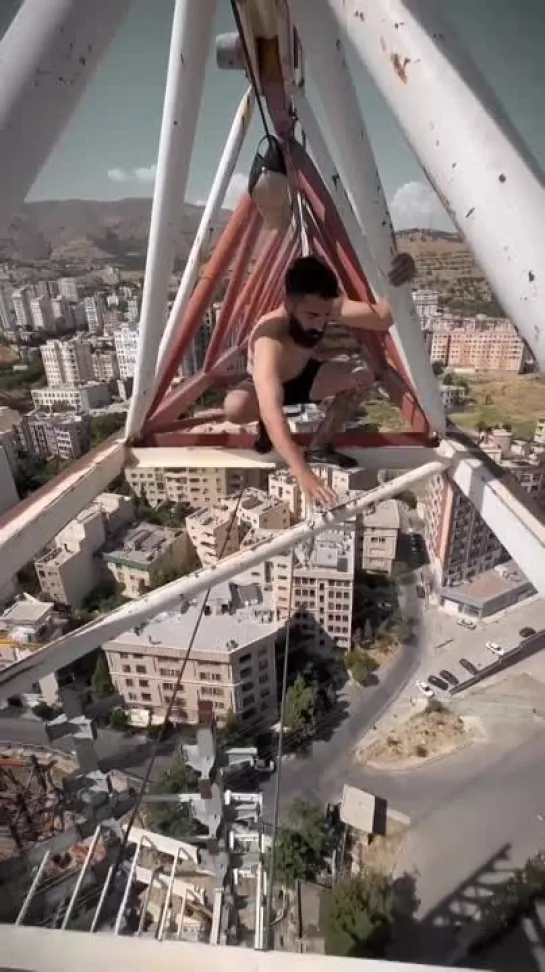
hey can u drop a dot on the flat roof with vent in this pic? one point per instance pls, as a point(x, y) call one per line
point(140, 546)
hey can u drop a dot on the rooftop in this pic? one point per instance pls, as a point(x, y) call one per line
point(488, 585)
point(257, 501)
point(385, 516)
point(141, 545)
point(331, 551)
point(56, 419)
point(27, 610)
point(212, 516)
point(235, 615)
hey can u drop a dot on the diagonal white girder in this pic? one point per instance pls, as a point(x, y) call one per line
point(22, 674)
point(29, 526)
point(48, 55)
point(489, 183)
point(513, 516)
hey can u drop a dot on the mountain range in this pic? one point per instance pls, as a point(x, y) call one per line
point(76, 229)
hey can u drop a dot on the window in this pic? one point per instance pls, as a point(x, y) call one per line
point(146, 697)
point(129, 682)
point(143, 683)
point(140, 669)
point(125, 668)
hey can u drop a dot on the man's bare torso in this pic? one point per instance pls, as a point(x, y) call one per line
point(293, 357)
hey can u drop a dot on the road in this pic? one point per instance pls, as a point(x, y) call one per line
point(322, 774)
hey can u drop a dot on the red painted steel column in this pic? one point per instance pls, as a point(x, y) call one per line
point(209, 280)
point(227, 314)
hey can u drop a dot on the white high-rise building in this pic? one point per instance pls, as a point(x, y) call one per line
point(126, 348)
point(6, 309)
point(67, 362)
point(69, 288)
point(94, 313)
point(62, 311)
point(133, 308)
point(42, 313)
point(21, 305)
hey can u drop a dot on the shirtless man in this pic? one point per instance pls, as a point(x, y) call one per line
point(285, 366)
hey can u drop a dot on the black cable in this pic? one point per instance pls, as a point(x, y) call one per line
point(171, 704)
point(250, 69)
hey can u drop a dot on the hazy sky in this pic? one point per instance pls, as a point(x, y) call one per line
point(109, 148)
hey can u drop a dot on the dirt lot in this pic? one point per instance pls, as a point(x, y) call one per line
point(381, 854)
point(421, 737)
point(497, 399)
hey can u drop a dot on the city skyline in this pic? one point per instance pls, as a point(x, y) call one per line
point(110, 154)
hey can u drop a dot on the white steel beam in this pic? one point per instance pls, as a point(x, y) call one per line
point(514, 518)
point(210, 213)
point(81, 877)
point(17, 678)
point(203, 457)
point(190, 40)
point(48, 55)
point(52, 950)
point(323, 47)
point(489, 183)
point(28, 527)
point(32, 889)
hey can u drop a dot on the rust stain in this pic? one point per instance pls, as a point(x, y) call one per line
point(502, 177)
point(360, 15)
point(400, 66)
point(383, 43)
point(531, 276)
point(470, 212)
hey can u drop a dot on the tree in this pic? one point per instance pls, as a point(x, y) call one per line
point(357, 916)
point(448, 378)
point(307, 819)
point(292, 859)
point(103, 426)
point(173, 819)
point(119, 720)
point(230, 726)
point(101, 682)
point(361, 665)
point(300, 708)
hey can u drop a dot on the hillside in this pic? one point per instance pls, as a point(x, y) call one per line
point(92, 232)
point(445, 263)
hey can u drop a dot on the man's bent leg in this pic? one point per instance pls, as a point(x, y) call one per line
point(240, 405)
point(349, 385)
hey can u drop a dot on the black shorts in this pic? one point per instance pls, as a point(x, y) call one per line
point(297, 390)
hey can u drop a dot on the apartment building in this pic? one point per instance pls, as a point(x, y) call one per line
point(65, 436)
point(69, 288)
point(21, 305)
point(283, 486)
point(126, 348)
point(137, 559)
point(232, 661)
point(67, 362)
point(25, 626)
point(214, 532)
point(459, 543)
point(426, 303)
point(94, 313)
point(70, 569)
point(79, 398)
point(42, 313)
point(477, 344)
point(322, 589)
point(158, 475)
point(105, 366)
point(217, 531)
point(377, 534)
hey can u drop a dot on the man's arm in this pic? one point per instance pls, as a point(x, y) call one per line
point(363, 316)
point(270, 397)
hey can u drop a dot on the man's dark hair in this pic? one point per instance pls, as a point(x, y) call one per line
point(310, 275)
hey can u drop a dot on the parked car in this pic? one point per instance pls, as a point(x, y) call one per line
point(425, 689)
point(469, 666)
point(495, 648)
point(438, 683)
point(527, 632)
point(449, 677)
point(467, 623)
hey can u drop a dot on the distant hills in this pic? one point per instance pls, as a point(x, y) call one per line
point(90, 232)
point(75, 234)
